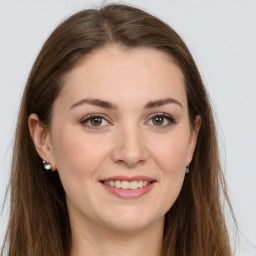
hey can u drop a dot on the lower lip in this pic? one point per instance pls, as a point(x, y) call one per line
point(129, 193)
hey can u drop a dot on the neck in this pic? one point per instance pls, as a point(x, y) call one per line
point(93, 240)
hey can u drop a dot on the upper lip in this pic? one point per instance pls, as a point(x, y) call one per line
point(126, 178)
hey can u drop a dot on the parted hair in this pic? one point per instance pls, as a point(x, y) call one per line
point(39, 222)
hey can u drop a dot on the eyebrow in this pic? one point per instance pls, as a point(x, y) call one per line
point(95, 102)
point(161, 102)
point(108, 105)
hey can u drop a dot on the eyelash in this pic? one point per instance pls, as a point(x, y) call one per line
point(86, 119)
point(167, 117)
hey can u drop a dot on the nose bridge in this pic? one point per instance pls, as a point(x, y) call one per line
point(130, 145)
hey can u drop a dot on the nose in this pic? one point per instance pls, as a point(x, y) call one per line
point(130, 147)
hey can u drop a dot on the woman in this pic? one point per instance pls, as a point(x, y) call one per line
point(115, 149)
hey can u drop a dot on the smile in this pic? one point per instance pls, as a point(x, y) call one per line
point(127, 184)
point(128, 187)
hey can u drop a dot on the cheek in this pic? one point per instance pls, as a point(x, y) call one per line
point(171, 153)
point(170, 157)
point(78, 158)
point(78, 155)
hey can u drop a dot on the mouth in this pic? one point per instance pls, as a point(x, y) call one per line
point(128, 187)
point(136, 184)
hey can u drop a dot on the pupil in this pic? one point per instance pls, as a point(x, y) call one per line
point(96, 121)
point(158, 120)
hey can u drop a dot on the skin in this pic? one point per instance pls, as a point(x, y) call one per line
point(129, 141)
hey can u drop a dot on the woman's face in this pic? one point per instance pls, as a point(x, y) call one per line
point(120, 137)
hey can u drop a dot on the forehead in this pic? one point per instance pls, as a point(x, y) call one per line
point(118, 74)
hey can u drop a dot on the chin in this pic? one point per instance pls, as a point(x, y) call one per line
point(130, 222)
point(127, 227)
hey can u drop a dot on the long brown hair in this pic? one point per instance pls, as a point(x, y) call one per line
point(39, 222)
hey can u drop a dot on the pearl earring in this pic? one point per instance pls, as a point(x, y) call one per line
point(47, 165)
point(187, 170)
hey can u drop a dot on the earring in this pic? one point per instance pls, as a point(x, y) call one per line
point(47, 165)
point(187, 170)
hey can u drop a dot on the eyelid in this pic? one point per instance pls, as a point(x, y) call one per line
point(169, 117)
point(88, 117)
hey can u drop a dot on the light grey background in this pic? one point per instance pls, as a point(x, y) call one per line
point(222, 37)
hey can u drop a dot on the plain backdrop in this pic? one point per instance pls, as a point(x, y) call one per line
point(221, 35)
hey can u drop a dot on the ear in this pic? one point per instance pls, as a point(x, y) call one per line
point(42, 139)
point(193, 138)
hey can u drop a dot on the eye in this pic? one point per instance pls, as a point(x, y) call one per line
point(161, 120)
point(94, 121)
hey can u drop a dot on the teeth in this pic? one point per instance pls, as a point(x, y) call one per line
point(133, 185)
point(126, 184)
point(118, 184)
point(140, 183)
